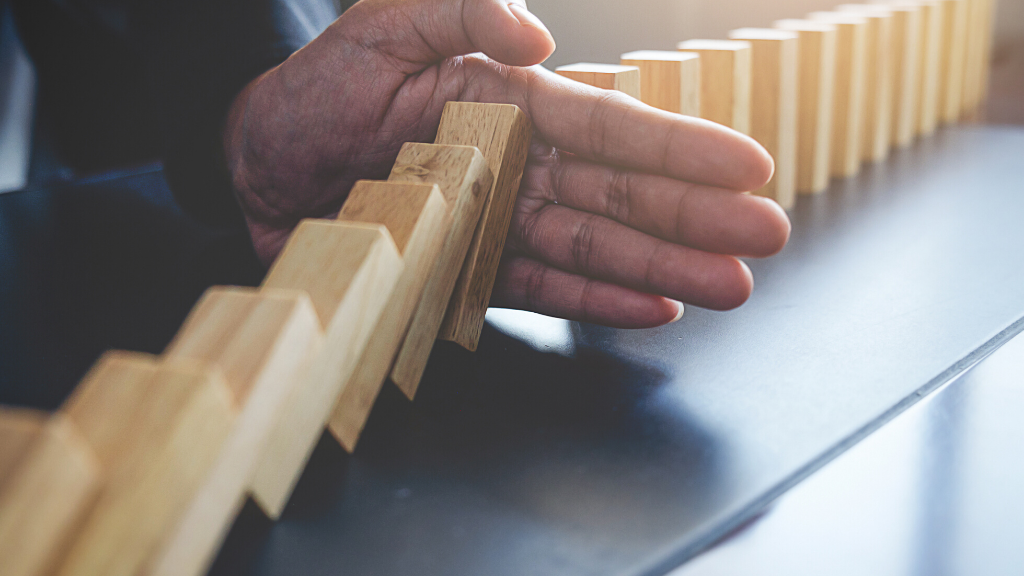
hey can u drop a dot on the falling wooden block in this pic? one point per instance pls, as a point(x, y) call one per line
point(502, 133)
point(625, 79)
point(44, 498)
point(349, 271)
point(724, 81)
point(669, 81)
point(814, 117)
point(954, 51)
point(262, 342)
point(848, 94)
point(156, 429)
point(419, 220)
point(463, 176)
point(877, 117)
point(773, 113)
point(930, 55)
point(906, 70)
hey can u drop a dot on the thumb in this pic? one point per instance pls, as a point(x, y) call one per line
point(427, 31)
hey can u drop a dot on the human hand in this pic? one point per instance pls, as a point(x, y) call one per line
point(623, 211)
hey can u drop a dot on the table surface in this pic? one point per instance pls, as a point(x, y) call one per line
point(561, 447)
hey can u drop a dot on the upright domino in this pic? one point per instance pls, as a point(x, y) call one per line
point(773, 112)
point(848, 93)
point(906, 71)
point(814, 120)
point(669, 81)
point(875, 127)
point(931, 58)
point(954, 51)
point(502, 133)
point(725, 81)
point(625, 79)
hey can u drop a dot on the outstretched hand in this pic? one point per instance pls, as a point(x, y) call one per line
point(624, 211)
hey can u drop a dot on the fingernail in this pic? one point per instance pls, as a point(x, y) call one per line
point(679, 314)
point(526, 18)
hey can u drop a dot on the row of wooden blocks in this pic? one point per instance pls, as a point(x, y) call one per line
point(825, 93)
point(145, 466)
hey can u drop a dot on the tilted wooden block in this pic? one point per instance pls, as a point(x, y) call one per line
point(18, 428)
point(463, 176)
point(502, 133)
point(669, 81)
point(724, 81)
point(954, 51)
point(349, 271)
point(54, 480)
point(262, 342)
point(419, 220)
point(930, 55)
point(848, 94)
point(814, 116)
point(625, 79)
point(906, 71)
point(773, 112)
point(156, 428)
point(875, 126)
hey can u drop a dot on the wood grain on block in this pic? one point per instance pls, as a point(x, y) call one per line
point(419, 220)
point(349, 271)
point(814, 116)
point(930, 55)
point(877, 118)
point(464, 178)
point(724, 81)
point(669, 81)
point(502, 133)
point(173, 419)
point(906, 71)
point(848, 94)
point(625, 79)
point(262, 342)
point(954, 51)
point(18, 427)
point(43, 501)
point(773, 112)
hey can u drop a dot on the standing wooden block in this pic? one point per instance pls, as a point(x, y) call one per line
point(848, 95)
point(419, 220)
point(669, 81)
point(44, 499)
point(773, 113)
point(349, 271)
point(502, 133)
point(18, 428)
point(814, 117)
point(877, 120)
point(954, 51)
point(931, 58)
point(979, 45)
point(625, 79)
point(156, 429)
point(262, 342)
point(906, 71)
point(463, 176)
point(724, 81)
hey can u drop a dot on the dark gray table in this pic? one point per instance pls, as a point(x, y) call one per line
point(561, 448)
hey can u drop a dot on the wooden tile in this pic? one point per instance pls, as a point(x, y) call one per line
point(906, 71)
point(773, 113)
point(463, 176)
point(419, 219)
point(669, 81)
point(724, 81)
point(625, 79)
point(814, 116)
point(930, 54)
point(18, 428)
point(954, 52)
point(875, 127)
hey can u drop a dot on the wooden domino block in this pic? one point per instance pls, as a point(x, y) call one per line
point(419, 220)
point(669, 81)
point(930, 55)
point(906, 70)
point(848, 94)
point(51, 483)
point(463, 176)
point(502, 133)
point(725, 81)
point(951, 67)
point(349, 271)
point(625, 79)
point(773, 113)
point(262, 342)
point(814, 118)
point(875, 127)
point(977, 61)
point(156, 429)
